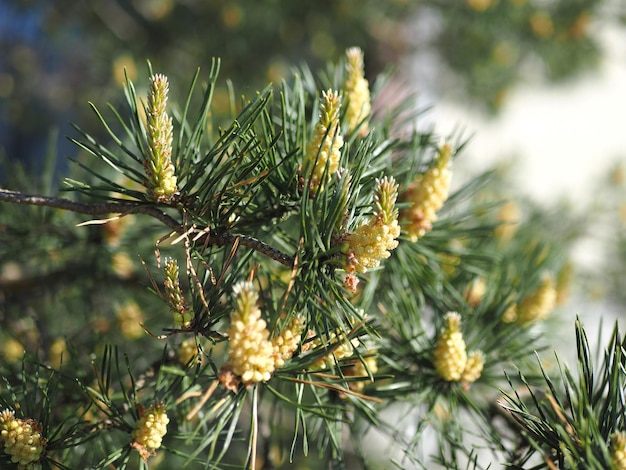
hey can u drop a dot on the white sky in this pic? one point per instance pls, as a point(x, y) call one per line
point(564, 136)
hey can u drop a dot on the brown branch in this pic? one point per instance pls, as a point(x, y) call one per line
point(130, 207)
point(254, 244)
point(90, 209)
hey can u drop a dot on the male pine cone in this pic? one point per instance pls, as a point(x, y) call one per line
point(357, 92)
point(250, 352)
point(373, 241)
point(450, 358)
point(324, 150)
point(427, 195)
point(150, 429)
point(161, 180)
point(22, 440)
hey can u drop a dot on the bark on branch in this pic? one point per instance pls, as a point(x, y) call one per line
point(125, 208)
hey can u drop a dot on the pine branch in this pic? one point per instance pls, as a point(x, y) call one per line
point(90, 209)
point(217, 239)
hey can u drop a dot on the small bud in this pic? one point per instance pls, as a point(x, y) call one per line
point(351, 281)
point(480, 5)
point(538, 305)
point(174, 295)
point(449, 263)
point(58, 353)
point(618, 448)
point(324, 151)
point(22, 440)
point(150, 429)
point(114, 229)
point(187, 350)
point(579, 28)
point(356, 89)
point(338, 348)
point(475, 291)
point(228, 378)
point(122, 265)
point(12, 351)
point(129, 318)
point(510, 315)
point(250, 353)
point(427, 193)
point(450, 356)
point(541, 24)
point(563, 283)
point(385, 200)
point(286, 342)
point(508, 217)
point(373, 240)
point(361, 368)
point(473, 367)
point(158, 165)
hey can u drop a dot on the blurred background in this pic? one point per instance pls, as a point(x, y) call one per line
point(538, 86)
point(476, 61)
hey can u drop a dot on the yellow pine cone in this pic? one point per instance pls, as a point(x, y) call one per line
point(538, 305)
point(129, 318)
point(250, 353)
point(186, 351)
point(122, 265)
point(373, 240)
point(450, 356)
point(358, 369)
point(579, 27)
point(22, 440)
point(563, 283)
point(286, 342)
point(12, 351)
point(370, 243)
point(339, 348)
point(541, 24)
point(356, 89)
point(324, 150)
point(175, 298)
point(58, 353)
point(510, 315)
point(473, 367)
point(618, 447)
point(158, 165)
point(428, 193)
point(449, 263)
point(508, 216)
point(475, 291)
point(150, 429)
point(480, 5)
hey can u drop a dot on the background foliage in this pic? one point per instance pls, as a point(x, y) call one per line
point(489, 47)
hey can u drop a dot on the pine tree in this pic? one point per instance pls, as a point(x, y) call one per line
point(325, 275)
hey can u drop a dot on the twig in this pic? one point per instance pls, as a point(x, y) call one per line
point(90, 209)
point(256, 245)
point(205, 398)
point(255, 427)
point(217, 239)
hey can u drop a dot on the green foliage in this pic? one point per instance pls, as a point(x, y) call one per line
point(246, 210)
point(489, 45)
point(570, 422)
